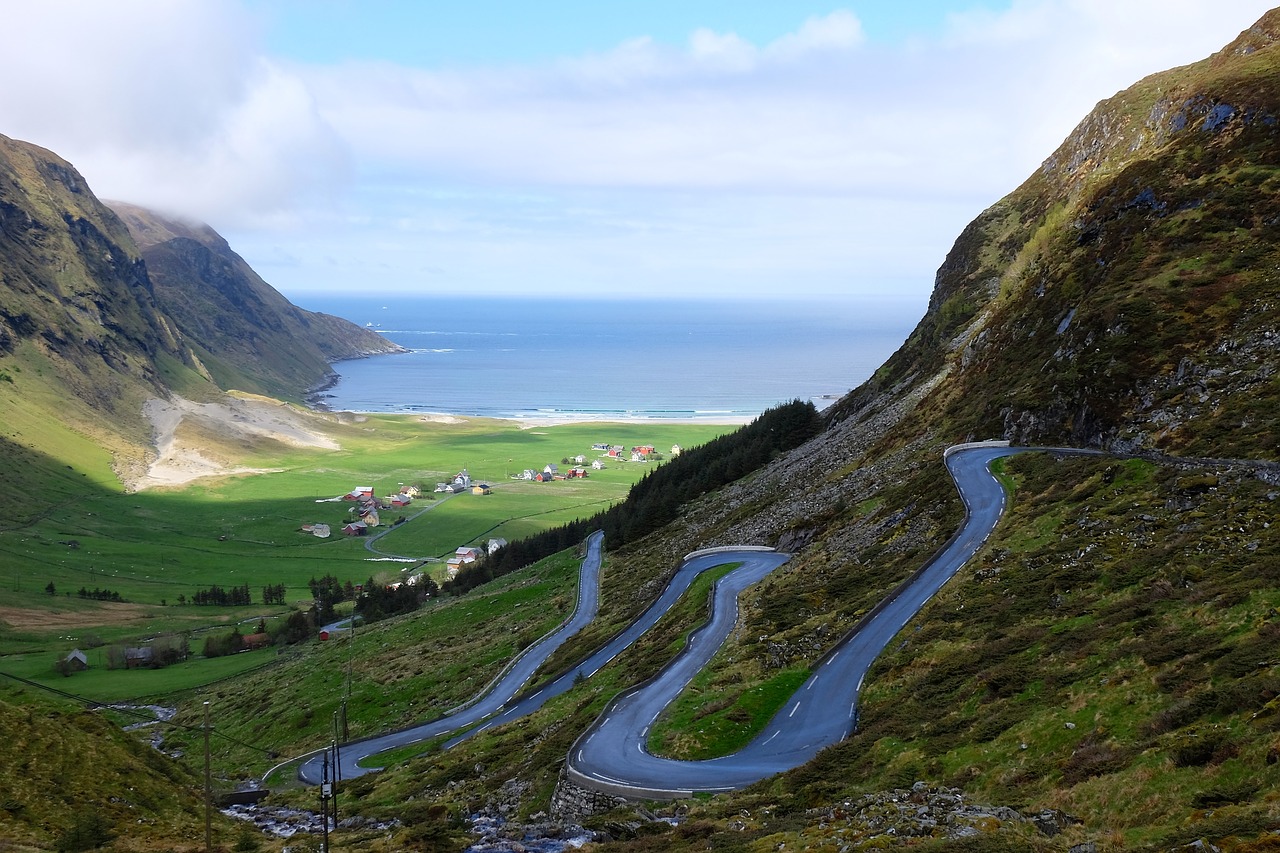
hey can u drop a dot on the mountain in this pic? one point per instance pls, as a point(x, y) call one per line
point(102, 311)
point(1124, 295)
point(1109, 658)
point(245, 334)
point(1107, 663)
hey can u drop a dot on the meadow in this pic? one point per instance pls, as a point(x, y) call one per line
point(156, 548)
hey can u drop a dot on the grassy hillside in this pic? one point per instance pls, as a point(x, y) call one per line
point(54, 794)
point(1108, 654)
point(1124, 295)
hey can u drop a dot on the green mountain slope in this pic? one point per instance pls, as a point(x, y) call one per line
point(245, 334)
point(1125, 295)
point(92, 326)
point(1111, 653)
point(72, 780)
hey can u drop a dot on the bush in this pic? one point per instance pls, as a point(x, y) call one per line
point(88, 832)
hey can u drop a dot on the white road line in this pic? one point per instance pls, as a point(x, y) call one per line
point(793, 711)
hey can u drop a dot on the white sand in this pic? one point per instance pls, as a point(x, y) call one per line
point(237, 418)
point(178, 462)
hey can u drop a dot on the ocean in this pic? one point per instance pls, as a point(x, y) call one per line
point(715, 361)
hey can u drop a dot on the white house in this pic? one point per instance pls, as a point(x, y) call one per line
point(495, 544)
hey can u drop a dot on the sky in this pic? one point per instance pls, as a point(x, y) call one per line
point(658, 149)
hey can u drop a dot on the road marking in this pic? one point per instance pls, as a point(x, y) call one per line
point(793, 710)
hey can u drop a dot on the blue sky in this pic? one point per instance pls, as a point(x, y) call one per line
point(450, 34)
point(633, 149)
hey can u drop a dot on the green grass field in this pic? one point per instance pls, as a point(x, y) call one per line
point(156, 548)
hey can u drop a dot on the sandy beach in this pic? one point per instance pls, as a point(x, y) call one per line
point(180, 458)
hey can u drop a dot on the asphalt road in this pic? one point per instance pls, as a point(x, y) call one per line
point(504, 688)
point(611, 755)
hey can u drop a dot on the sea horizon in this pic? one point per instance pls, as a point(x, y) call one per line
point(558, 360)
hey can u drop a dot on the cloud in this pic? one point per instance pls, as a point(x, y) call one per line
point(704, 163)
point(167, 104)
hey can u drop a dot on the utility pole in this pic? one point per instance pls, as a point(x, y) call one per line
point(337, 769)
point(208, 786)
point(326, 788)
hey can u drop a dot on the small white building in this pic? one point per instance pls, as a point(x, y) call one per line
point(495, 544)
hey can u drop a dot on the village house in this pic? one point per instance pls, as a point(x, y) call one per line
point(76, 661)
point(141, 656)
point(675, 450)
point(481, 489)
point(527, 474)
point(597, 465)
point(495, 544)
point(461, 556)
point(356, 528)
point(359, 493)
point(255, 641)
point(400, 500)
point(552, 469)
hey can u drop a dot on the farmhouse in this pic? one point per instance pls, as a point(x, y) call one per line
point(359, 493)
point(77, 661)
point(400, 500)
point(138, 657)
point(356, 528)
point(256, 641)
point(495, 544)
point(481, 489)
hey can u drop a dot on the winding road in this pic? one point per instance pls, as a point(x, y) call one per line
point(611, 755)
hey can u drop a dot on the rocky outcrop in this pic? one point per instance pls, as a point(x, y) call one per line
point(574, 801)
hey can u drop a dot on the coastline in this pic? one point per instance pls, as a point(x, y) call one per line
point(549, 420)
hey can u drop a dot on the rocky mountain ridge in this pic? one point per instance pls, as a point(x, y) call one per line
point(104, 307)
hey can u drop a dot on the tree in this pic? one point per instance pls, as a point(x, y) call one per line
point(51, 589)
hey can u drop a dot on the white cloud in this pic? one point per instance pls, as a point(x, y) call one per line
point(702, 164)
point(167, 104)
